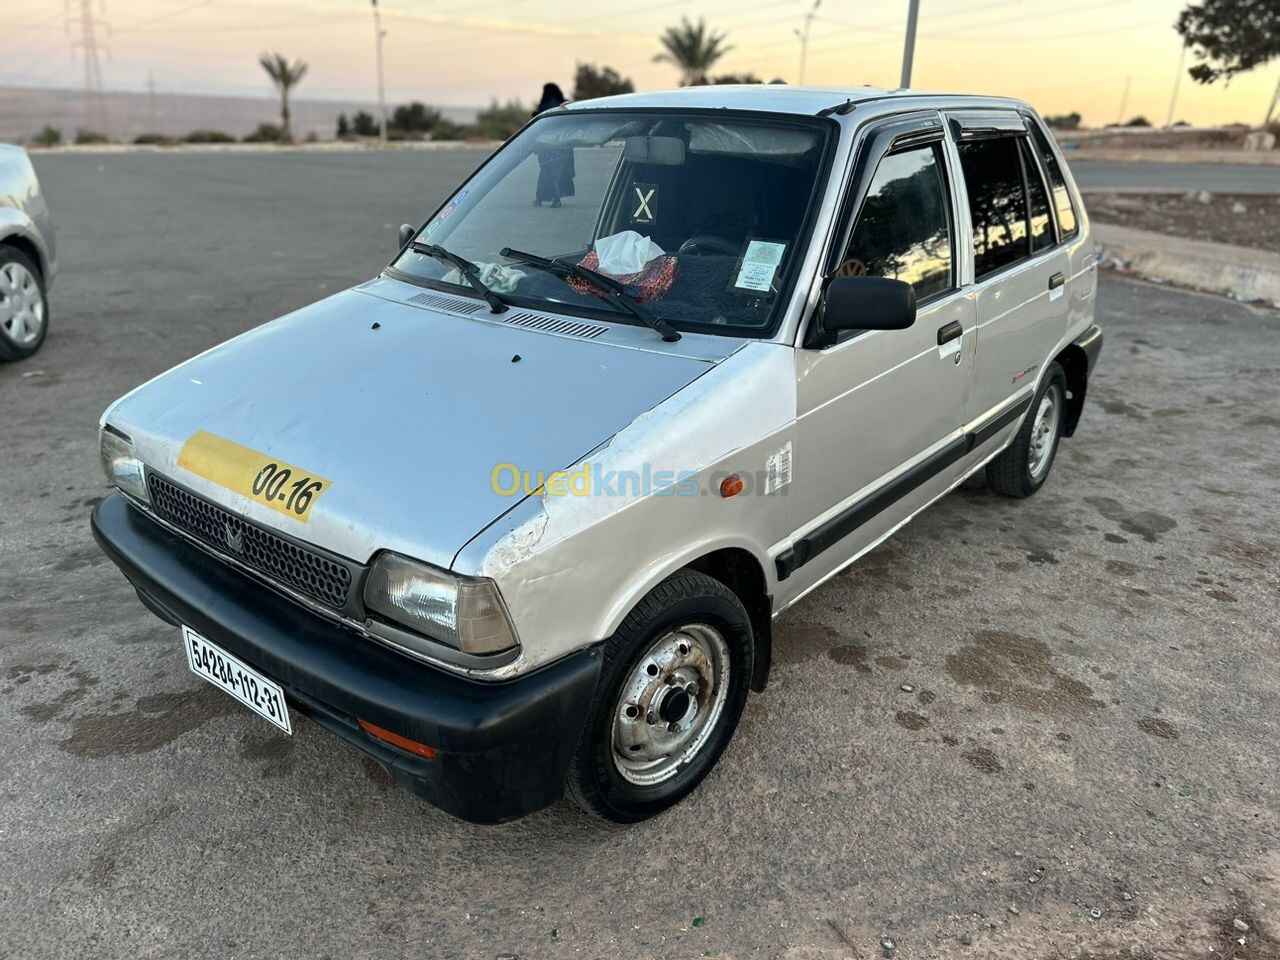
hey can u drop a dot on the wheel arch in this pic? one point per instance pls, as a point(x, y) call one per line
point(735, 564)
point(29, 247)
point(742, 572)
point(1075, 365)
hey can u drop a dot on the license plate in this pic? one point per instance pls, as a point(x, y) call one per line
point(264, 697)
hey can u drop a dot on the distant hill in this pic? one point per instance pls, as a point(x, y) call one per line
point(24, 110)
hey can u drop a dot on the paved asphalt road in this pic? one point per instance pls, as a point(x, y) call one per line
point(1175, 177)
point(1091, 724)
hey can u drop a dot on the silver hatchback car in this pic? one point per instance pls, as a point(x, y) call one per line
point(515, 516)
point(27, 261)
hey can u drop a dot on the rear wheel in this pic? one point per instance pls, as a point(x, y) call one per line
point(23, 307)
point(673, 685)
point(1024, 465)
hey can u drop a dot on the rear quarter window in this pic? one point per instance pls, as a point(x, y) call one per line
point(1057, 183)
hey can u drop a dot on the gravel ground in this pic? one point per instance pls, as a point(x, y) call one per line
point(1010, 716)
point(1245, 220)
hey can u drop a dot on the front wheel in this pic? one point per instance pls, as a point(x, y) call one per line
point(23, 306)
point(673, 685)
point(1024, 465)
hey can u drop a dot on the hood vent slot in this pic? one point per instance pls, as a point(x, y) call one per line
point(566, 328)
point(442, 301)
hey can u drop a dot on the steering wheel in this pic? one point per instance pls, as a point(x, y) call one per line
point(704, 243)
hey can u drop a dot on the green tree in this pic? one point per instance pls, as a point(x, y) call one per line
point(693, 49)
point(1064, 121)
point(344, 127)
point(264, 133)
point(747, 77)
point(500, 120)
point(284, 76)
point(414, 118)
point(48, 137)
point(1230, 36)
point(363, 124)
point(590, 81)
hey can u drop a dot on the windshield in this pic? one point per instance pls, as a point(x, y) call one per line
point(700, 216)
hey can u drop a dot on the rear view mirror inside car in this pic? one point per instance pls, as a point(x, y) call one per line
point(660, 151)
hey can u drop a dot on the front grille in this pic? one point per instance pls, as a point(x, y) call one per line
point(325, 579)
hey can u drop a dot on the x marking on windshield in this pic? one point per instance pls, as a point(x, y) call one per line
point(643, 212)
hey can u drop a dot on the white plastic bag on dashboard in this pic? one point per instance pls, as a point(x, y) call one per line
point(625, 253)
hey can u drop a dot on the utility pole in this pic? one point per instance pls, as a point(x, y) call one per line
point(1275, 100)
point(1124, 100)
point(382, 99)
point(909, 44)
point(804, 36)
point(87, 40)
point(1177, 80)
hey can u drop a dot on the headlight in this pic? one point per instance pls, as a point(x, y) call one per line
point(120, 465)
point(466, 613)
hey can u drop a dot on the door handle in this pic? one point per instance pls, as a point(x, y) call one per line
point(950, 332)
point(1056, 281)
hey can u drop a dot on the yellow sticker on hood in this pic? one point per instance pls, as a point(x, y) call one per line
point(268, 480)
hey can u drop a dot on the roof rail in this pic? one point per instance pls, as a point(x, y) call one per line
point(839, 109)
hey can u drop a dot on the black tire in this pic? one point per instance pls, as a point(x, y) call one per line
point(594, 781)
point(10, 349)
point(1010, 474)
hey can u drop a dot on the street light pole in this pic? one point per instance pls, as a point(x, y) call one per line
point(804, 37)
point(382, 99)
point(909, 45)
point(1177, 81)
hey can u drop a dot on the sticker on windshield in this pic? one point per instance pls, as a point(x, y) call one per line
point(643, 203)
point(759, 264)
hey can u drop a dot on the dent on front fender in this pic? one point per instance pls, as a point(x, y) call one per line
point(570, 566)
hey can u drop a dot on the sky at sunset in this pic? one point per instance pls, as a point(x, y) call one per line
point(1060, 56)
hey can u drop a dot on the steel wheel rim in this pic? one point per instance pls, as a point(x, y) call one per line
point(21, 305)
point(1044, 432)
point(670, 704)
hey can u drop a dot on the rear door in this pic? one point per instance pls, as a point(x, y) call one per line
point(1019, 271)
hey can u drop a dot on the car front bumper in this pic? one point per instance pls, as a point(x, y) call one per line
point(503, 748)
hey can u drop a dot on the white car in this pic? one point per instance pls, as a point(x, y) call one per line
point(27, 261)
point(516, 515)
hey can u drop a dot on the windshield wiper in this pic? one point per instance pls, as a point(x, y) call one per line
point(470, 272)
point(616, 291)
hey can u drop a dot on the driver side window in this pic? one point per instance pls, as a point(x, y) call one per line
point(904, 227)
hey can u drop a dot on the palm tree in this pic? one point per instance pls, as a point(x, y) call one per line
point(693, 49)
point(285, 76)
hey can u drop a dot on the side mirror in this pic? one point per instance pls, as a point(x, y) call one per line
point(407, 231)
point(862, 303)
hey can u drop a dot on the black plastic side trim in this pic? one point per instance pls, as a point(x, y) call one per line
point(1091, 343)
point(855, 515)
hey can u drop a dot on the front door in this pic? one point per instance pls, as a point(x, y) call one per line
point(876, 410)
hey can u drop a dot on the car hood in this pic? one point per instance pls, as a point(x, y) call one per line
point(405, 411)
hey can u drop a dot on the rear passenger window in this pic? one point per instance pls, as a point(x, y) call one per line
point(997, 203)
point(1037, 200)
point(1061, 198)
point(904, 229)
